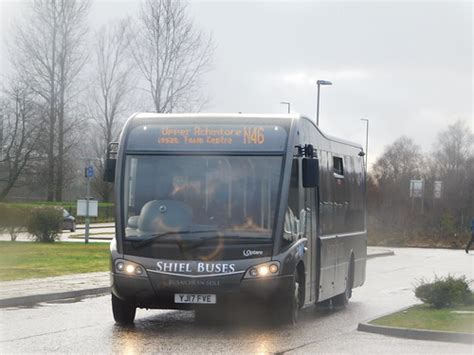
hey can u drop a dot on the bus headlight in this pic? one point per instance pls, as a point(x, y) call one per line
point(129, 268)
point(271, 268)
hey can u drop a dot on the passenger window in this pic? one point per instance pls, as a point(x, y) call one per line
point(293, 194)
point(338, 166)
point(291, 215)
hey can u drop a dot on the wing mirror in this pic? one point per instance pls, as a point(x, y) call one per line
point(310, 172)
point(110, 162)
point(109, 171)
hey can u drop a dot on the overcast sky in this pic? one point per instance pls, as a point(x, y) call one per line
point(405, 66)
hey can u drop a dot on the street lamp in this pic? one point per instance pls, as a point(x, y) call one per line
point(366, 143)
point(287, 104)
point(319, 83)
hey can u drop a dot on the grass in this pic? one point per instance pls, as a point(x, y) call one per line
point(20, 261)
point(425, 317)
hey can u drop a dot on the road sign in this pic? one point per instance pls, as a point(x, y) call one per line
point(89, 171)
point(82, 208)
point(416, 188)
point(437, 189)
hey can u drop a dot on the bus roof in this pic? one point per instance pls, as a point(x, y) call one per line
point(216, 115)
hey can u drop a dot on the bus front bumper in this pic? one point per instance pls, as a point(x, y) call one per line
point(157, 291)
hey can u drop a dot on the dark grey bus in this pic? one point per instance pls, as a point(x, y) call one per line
point(213, 209)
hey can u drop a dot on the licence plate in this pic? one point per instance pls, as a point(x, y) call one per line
point(194, 298)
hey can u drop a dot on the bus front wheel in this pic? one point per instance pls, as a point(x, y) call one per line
point(124, 312)
point(290, 304)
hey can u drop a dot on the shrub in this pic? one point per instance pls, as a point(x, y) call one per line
point(45, 224)
point(444, 292)
point(12, 220)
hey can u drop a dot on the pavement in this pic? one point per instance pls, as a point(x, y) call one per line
point(31, 291)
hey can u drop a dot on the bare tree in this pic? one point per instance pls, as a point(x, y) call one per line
point(452, 163)
point(388, 194)
point(110, 97)
point(444, 218)
point(21, 131)
point(113, 70)
point(172, 55)
point(400, 162)
point(453, 148)
point(48, 50)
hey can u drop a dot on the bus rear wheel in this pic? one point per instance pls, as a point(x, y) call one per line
point(124, 312)
point(341, 301)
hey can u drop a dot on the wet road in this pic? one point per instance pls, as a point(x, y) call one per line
point(87, 325)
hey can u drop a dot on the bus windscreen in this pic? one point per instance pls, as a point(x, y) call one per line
point(234, 195)
point(207, 137)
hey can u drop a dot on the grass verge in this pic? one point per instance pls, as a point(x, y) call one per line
point(20, 261)
point(425, 317)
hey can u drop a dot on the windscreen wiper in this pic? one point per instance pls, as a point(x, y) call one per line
point(150, 239)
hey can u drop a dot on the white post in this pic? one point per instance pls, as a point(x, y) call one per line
point(86, 236)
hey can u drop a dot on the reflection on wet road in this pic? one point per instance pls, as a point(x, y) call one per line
point(87, 326)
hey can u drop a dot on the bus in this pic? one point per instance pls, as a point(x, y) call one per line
point(213, 209)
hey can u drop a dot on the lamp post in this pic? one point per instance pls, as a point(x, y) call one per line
point(366, 143)
point(319, 83)
point(287, 104)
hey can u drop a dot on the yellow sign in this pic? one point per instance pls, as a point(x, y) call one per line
point(214, 136)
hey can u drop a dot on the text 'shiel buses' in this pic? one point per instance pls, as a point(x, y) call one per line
point(208, 137)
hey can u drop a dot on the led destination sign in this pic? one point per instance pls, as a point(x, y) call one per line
point(207, 137)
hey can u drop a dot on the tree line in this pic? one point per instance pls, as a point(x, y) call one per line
point(70, 88)
point(442, 211)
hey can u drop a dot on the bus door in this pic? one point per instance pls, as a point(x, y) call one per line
point(310, 233)
point(301, 200)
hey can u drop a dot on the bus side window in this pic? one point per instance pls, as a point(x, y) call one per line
point(291, 218)
point(293, 194)
point(338, 166)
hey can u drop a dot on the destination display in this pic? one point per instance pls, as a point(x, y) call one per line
point(207, 137)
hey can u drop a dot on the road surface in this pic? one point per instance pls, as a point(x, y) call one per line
point(86, 326)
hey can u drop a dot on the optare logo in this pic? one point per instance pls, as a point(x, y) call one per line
point(250, 252)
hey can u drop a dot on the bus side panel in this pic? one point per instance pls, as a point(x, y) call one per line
point(360, 265)
point(327, 247)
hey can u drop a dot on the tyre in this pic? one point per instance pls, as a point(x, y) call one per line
point(290, 304)
point(73, 227)
point(341, 301)
point(124, 312)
